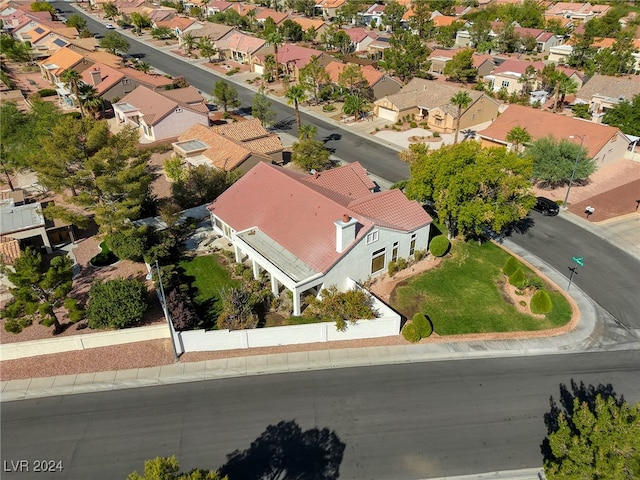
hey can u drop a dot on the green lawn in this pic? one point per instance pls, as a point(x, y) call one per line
point(463, 295)
point(207, 275)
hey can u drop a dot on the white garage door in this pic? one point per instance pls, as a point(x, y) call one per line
point(259, 69)
point(387, 114)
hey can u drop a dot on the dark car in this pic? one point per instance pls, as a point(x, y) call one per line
point(546, 206)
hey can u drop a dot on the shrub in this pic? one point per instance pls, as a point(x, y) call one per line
point(410, 333)
point(128, 244)
point(392, 268)
point(47, 92)
point(11, 325)
point(517, 278)
point(419, 254)
point(328, 108)
point(413, 124)
point(401, 263)
point(436, 134)
point(104, 258)
point(181, 310)
point(535, 282)
point(118, 303)
point(423, 325)
point(510, 266)
point(541, 303)
point(439, 246)
point(75, 311)
point(342, 307)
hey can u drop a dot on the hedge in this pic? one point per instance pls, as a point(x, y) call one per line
point(517, 278)
point(410, 333)
point(541, 303)
point(510, 266)
point(118, 303)
point(439, 246)
point(422, 324)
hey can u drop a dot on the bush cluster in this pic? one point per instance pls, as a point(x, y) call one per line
point(439, 245)
point(517, 278)
point(541, 303)
point(118, 303)
point(423, 325)
point(130, 244)
point(410, 333)
point(510, 266)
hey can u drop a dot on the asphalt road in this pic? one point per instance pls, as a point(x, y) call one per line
point(377, 159)
point(397, 422)
point(610, 276)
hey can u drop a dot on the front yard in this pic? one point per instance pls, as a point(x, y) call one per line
point(465, 295)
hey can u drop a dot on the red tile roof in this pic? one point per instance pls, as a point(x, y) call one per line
point(108, 76)
point(298, 211)
point(541, 124)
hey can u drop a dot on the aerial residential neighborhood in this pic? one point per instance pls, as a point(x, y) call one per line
point(316, 220)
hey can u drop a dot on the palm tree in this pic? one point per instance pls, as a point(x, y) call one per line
point(143, 67)
point(206, 47)
point(518, 136)
point(275, 39)
point(89, 98)
point(307, 132)
point(355, 105)
point(461, 100)
point(295, 95)
point(73, 79)
point(564, 85)
point(188, 42)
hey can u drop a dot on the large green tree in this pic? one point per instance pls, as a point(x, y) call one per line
point(553, 161)
point(202, 184)
point(38, 290)
point(355, 105)
point(226, 95)
point(626, 116)
point(460, 68)
point(118, 303)
point(310, 155)
point(168, 468)
point(15, 136)
point(352, 79)
point(114, 42)
point(406, 56)
point(314, 76)
point(472, 188)
point(593, 435)
point(261, 109)
point(518, 136)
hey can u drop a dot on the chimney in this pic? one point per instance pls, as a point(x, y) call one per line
point(96, 77)
point(345, 232)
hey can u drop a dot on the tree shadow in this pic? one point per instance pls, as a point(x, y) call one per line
point(334, 137)
point(585, 394)
point(521, 226)
point(285, 452)
point(286, 124)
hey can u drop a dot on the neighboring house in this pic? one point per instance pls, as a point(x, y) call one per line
point(329, 8)
point(264, 13)
point(215, 31)
point(113, 84)
point(372, 16)
point(440, 20)
point(544, 40)
point(378, 47)
point(26, 224)
point(603, 92)
point(241, 47)
point(313, 231)
point(293, 57)
point(202, 145)
point(217, 7)
point(428, 100)
point(178, 25)
point(508, 76)
point(560, 54)
point(161, 115)
point(577, 11)
point(319, 26)
point(604, 144)
point(360, 38)
point(380, 84)
point(64, 59)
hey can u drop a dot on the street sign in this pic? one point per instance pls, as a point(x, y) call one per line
point(579, 260)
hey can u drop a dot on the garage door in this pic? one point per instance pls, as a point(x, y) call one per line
point(259, 69)
point(387, 114)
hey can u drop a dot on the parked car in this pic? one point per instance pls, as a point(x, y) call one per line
point(546, 206)
point(110, 26)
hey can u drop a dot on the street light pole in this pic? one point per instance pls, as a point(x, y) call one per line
point(573, 172)
point(163, 302)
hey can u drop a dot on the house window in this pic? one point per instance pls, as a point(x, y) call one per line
point(377, 261)
point(146, 130)
point(227, 231)
point(217, 223)
point(372, 237)
point(505, 83)
point(126, 81)
point(394, 252)
point(412, 246)
point(438, 121)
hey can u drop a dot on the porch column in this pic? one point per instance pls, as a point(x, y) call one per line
point(275, 285)
point(296, 302)
point(236, 251)
point(256, 269)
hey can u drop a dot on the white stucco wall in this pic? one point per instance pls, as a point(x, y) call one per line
point(357, 263)
point(614, 150)
point(176, 124)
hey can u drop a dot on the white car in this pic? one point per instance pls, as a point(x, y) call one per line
point(110, 26)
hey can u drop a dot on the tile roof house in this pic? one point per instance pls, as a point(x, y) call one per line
point(604, 144)
point(329, 8)
point(215, 31)
point(217, 6)
point(309, 232)
point(372, 16)
point(544, 40)
point(428, 100)
point(241, 47)
point(439, 58)
point(318, 25)
point(292, 57)
point(161, 115)
point(112, 83)
point(577, 11)
point(360, 37)
point(65, 58)
point(178, 25)
point(603, 92)
point(509, 73)
point(380, 84)
point(238, 145)
point(264, 13)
